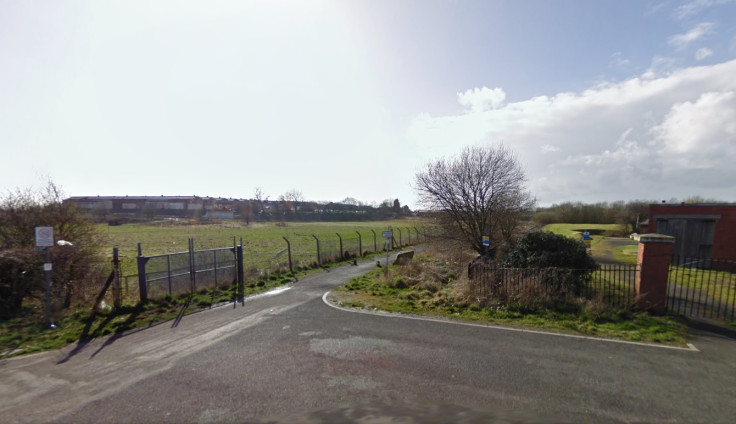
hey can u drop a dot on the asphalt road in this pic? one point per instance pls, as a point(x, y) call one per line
point(289, 357)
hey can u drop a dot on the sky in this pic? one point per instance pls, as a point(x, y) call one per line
point(599, 100)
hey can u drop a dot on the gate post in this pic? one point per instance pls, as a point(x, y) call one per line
point(142, 284)
point(319, 261)
point(360, 245)
point(117, 296)
point(342, 254)
point(655, 253)
point(288, 247)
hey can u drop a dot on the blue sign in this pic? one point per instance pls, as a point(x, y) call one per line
point(486, 241)
point(586, 235)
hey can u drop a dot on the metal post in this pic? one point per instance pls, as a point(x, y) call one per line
point(387, 249)
point(360, 245)
point(214, 261)
point(288, 247)
point(409, 231)
point(240, 272)
point(168, 272)
point(342, 256)
point(142, 285)
point(319, 261)
point(116, 291)
point(47, 284)
point(192, 275)
point(400, 244)
point(375, 245)
point(415, 229)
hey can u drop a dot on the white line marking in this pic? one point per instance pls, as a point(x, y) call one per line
point(690, 347)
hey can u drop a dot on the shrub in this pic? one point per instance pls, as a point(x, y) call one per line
point(20, 276)
point(541, 249)
point(568, 265)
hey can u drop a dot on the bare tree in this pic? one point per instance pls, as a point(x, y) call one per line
point(479, 193)
point(260, 198)
point(293, 198)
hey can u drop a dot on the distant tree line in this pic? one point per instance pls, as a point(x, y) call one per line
point(627, 214)
point(291, 206)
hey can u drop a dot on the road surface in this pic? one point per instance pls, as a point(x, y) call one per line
point(290, 357)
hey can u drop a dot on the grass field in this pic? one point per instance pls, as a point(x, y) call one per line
point(264, 246)
point(600, 235)
point(597, 231)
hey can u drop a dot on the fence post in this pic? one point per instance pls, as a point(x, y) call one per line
point(168, 272)
point(399, 230)
point(375, 245)
point(288, 247)
point(417, 231)
point(241, 273)
point(319, 261)
point(117, 297)
point(408, 230)
point(654, 256)
point(342, 255)
point(360, 245)
point(142, 286)
point(192, 266)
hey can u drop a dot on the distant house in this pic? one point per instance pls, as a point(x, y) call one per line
point(220, 208)
point(700, 230)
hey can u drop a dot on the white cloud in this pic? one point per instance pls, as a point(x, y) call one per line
point(696, 6)
point(548, 148)
point(481, 99)
point(618, 59)
point(646, 137)
point(703, 53)
point(699, 31)
point(695, 128)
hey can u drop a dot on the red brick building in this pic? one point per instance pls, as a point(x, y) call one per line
point(700, 230)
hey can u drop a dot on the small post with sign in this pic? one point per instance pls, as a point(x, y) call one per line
point(388, 235)
point(587, 241)
point(44, 240)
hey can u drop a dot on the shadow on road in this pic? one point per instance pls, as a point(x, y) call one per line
point(706, 328)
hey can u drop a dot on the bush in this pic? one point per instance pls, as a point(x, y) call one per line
point(20, 265)
point(541, 249)
point(547, 250)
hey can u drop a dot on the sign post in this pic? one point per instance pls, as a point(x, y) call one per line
point(388, 235)
point(44, 240)
point(587, 241)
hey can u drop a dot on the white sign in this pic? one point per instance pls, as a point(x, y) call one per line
point(44, 236)
point(47, 267)
point(387, 234)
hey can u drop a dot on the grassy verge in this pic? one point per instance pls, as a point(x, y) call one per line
point(429, 288)
point(28, 334)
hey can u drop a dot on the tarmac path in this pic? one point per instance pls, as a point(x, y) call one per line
point(287, 356)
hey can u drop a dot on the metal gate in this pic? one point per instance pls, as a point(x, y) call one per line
point(702, 287)
point(187, 272)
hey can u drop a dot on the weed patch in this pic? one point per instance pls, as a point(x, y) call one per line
point(429, 287)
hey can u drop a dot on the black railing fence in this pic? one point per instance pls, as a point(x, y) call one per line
point(702, 287)
point(612, 284)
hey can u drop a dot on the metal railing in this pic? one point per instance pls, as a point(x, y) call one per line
point(702, 287)
point(613, 284)
point(190, 271)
